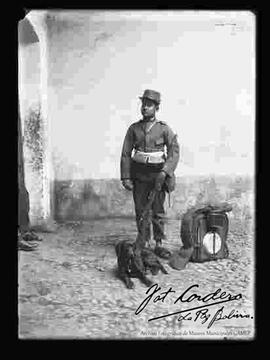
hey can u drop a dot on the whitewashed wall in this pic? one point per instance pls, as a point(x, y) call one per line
point(99, 63)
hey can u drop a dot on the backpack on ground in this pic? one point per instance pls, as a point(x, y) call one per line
point(206, 229)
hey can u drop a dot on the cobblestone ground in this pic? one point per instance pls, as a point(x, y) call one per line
point(68, 287)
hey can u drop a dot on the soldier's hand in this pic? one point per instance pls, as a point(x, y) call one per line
point(160, 180)
point(127, 184)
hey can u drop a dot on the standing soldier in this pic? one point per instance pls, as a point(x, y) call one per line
point(149, 157)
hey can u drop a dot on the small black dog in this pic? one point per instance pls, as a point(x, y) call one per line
point(134, 261)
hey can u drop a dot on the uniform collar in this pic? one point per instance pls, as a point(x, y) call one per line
point(154, 120)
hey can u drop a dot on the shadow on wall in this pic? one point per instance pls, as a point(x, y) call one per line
point(26, 33)
point(91, 199)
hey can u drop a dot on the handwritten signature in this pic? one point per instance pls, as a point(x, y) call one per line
point(202, 313)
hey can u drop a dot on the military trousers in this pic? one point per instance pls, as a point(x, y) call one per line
point(141, 190)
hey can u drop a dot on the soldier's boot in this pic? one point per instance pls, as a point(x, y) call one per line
point(161, 251)
point(26, 246)
point(30, 236)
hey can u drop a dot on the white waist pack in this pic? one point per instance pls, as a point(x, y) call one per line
point(156, 157)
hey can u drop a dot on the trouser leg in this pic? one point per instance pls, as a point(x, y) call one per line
point(141, 191)
point(158, 215)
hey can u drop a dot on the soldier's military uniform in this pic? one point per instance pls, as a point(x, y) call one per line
point(148, 150)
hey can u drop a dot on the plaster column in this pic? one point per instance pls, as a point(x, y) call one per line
point(38, 20)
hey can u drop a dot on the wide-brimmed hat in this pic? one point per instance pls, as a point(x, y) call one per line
point(151, 95)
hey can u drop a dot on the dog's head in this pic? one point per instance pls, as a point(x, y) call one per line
point(129, 256)
point(124, 250)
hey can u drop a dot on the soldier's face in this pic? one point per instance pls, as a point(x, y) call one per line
point(148, 108)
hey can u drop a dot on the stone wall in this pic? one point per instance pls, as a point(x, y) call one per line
point(88, 199)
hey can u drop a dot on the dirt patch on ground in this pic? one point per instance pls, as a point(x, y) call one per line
point(68, 287)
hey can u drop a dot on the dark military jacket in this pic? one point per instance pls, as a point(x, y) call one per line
point(159, 138)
